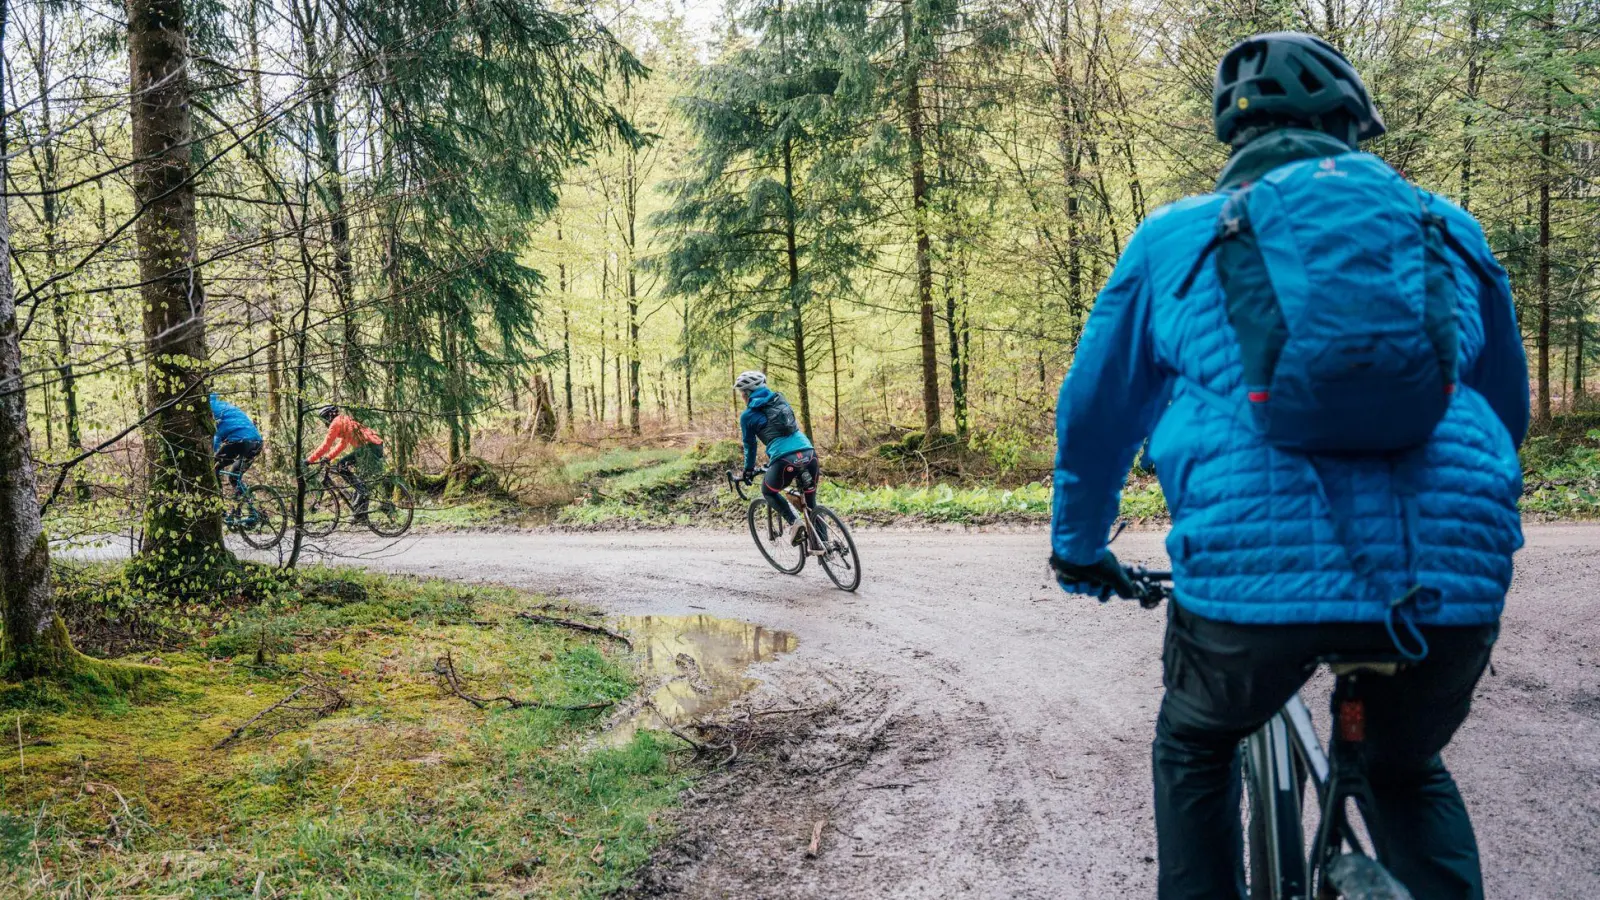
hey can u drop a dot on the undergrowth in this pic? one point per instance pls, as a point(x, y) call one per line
point(384, 785)
point(1562, 476)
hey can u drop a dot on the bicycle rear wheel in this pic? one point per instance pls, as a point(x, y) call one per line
point(770, 533)
point(390, 507)
point(265, 517)
point(322, 511)
point(839, 558)
point(1359, 877)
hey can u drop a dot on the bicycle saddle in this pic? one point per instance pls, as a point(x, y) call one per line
point(1369, 663)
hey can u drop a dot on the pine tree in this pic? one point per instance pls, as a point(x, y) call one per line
point(773, 214)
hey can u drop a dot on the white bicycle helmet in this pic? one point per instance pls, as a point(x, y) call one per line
point(749, 381)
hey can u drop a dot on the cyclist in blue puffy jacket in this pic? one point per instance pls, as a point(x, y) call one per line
point(769, 419)
point(1278, 556)
point(236, 443)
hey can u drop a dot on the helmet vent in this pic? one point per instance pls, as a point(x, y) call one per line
point(1309, 82)
point(1270, 87)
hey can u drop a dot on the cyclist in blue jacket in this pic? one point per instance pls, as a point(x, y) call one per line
point(1280, 557)
point(236, 443)
point(769, 419)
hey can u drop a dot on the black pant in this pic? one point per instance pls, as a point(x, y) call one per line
point(1224, 681)
point(234, 459)
point(802, 466)
point(354, 468)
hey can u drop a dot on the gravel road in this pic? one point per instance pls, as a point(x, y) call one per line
point(1000, 730)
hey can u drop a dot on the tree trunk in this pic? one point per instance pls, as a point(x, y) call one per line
point(183, 520)
point(325, 127)
point(1474, 75)
point(544, 409)
point(36, 641)
point(605, 281)
point(688, 368)
point(833, 350)
point(630, 208)
point(48, 167)
point(954, 300)
point(1542, 412)
point(566, 325)
point(919, 218)
point(1577, 372)
point(796, 302)
point(277, 428)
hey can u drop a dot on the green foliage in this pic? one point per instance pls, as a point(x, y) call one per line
point(1562, 476)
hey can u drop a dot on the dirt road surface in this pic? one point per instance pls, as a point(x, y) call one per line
point(989, 736)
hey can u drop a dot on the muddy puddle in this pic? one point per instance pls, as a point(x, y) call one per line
point(698, 663)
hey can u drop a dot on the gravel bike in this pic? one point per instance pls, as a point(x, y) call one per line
point(390, 502)
point(771, 534)
point(1279, 758)
point(256, 512)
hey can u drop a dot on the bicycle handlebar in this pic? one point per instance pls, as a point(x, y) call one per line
point(736, 484)
point(1154, 586)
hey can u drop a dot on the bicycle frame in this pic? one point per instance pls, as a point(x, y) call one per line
point(1279, 757)
point(797, 500)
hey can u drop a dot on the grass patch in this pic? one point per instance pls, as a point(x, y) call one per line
point(616, 462)
point(401, 791)
point(1561, 475)
point(650, 499)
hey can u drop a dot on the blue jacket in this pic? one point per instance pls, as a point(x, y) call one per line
point(233, 424)
point(754, 418)
point(1256, 534)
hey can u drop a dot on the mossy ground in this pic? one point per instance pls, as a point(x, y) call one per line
point(405, 791)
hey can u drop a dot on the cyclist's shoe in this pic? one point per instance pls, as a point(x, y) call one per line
point(797, 533)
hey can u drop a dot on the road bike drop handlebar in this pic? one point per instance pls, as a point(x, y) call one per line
point(737, 482)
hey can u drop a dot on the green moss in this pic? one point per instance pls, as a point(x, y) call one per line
point(406, 791)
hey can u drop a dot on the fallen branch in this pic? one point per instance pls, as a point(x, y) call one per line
point(576, 626)
point(445, 668)
point(816, 839)
point(332, 701)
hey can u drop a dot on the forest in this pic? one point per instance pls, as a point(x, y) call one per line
point(528, 222)
point(531, 242)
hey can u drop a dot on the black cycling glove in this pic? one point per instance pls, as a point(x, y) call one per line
point(1101, 578)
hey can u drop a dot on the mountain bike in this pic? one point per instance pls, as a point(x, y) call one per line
point(256, 512)
point(770, 532)
point(390, 502)
point(1277, 761)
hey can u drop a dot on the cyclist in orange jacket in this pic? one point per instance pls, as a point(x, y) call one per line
point(352, 448)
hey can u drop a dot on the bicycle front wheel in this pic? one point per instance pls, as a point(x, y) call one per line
point(839, 558)
point(322, 512)
point(390, 507)
point(265, 517)
point(1274, 780)
point(770, 533)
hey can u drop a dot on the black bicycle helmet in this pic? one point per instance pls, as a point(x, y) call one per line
point(1290, 77)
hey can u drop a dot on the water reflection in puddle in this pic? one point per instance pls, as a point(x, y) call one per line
point(700, 662)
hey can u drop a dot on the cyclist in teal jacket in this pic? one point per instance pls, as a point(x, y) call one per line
point(769, 419)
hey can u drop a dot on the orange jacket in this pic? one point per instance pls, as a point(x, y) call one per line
point(344, 434)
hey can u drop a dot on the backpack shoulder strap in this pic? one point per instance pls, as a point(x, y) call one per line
point(1434, 220)
point(1232, 220)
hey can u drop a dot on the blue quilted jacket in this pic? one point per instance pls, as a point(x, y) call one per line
point(1258, 537)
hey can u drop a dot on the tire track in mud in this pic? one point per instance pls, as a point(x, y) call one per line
point(969, 731)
